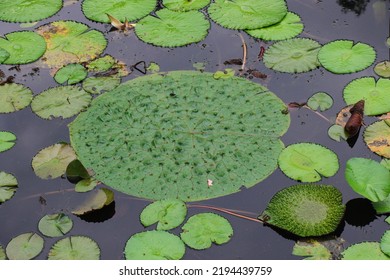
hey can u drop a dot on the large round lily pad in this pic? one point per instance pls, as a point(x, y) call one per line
point(75, 248)
point(25, 246)
point(22, 47)
point(247, 14)
point(165, 135)
point(295, 55)
point(122, 10)
point(305, 210)
point(173, 29)
point(28, 11)
point(14, 97)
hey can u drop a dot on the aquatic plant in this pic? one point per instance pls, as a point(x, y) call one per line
point(71, 74)
point(321, 101)
point(377, 138)
point(311, 250)
point(25, 246)
point(75, 248)
point(185, 5)
point(385, 243)
point(7, 140)
point(8, 186)
point(364, 251)
point(95, 201)
point(55, 225)
point(382, 69)
point(14, 97)
point(99, 85)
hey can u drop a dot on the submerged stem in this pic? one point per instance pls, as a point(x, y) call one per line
point(244, 51)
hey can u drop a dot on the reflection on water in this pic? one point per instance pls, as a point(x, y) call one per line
point(356, 6)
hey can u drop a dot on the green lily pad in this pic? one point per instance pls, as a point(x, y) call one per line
point(97, 200)
point(22, 46)
point(386, 163)
point(70, 42)
point(337, 132)
point(375, 93)
point(295, 55)
point(167, 213)
point(305, 210)
point(28, 11)
point(25, 246)
point(377, 138)
point(75, 248)
point(71, 73)
point(173, 29)
point(86, 185)
point(101, 64)
point(382, 69)
point(8, 186)
point(7, 140)
point(14, 97)
point(122, 10)
point(60, 102)
point(165, 135)
point(364, 251)
point(2, 254)
point(75, 171)
point(153, 68)
point(99, 85)
point(343, 56)
point(385, 243)
point(387, 220)
point(311, 250)
point(201, 230)
point(247, 14)
point(55, 225)
point(154, 245)
point(307, 162)
point(383, 206)
point(226, 74)
point(289, 27)
point(52, 161)
point(368, 178)
point(320, 100)
point(185, 5)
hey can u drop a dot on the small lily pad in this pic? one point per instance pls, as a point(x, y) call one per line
point(8, 186)
point(25, 246)
point(99, 85)
point(60, 102)
point(75, 248)
point(377, 138)
point(307, 162)
point(75, 171)
point(368, 178)
point(71, 73)
point(311, 250)
point(201, 230)
point(364, 251)
point(28, 11)
point(226, 74)
point(52, 161)
point(2, 253)
point(7, 140)
point(295, 55)
point(101, 64)
point(86, 185)
point(289, 27)
point(247, 14)
point(337, 132)
point(167, 213)
point(14, 97)
point(385, 243)
point(305, 210)
point(97, 200)
point(343, 56)
point(382, 69)
point(185, 5)
point(154, 245)
point(55, 225)
point(320, 100)
point(153, 67)
point(173, 29)
point(375, 93)
point(122, 10)
point(23, 47)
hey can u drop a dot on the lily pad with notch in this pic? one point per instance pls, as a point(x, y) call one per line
point(364, 251)
point(308, 162)
point(55, 225)
point(167, 213)
point(374, 92)
point(185, 5)
point(8, 186)
point(204, 229)
point(25, 246)
point(60, 102)
point(305, 210)
point(75, 248)
point(320, 100)
point(382, 69)
point(23, 47)
point(337, 132)
point(122, 10)
point(295, 55)
point(14, 97)
point(72, 74)
point(377, 138)
point(154, 245)
point(181, 129)
point(247, 14)
point(289, 27)
point(368, 178)
point(7, 140)
point(173, 29)
point(28, 11)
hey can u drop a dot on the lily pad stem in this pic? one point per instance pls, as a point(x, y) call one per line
point(244, 50)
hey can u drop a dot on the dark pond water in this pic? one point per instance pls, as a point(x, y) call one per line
point(324, 21)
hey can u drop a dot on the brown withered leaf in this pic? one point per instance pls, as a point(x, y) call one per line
point(355, 121)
